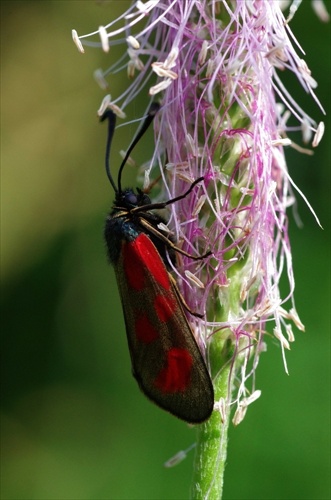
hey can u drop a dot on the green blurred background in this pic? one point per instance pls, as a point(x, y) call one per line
point(74, 425)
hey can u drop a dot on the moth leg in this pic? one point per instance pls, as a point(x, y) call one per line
point(162, 237)
point(182, 300)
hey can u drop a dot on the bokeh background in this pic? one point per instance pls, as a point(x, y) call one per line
point(74, 425)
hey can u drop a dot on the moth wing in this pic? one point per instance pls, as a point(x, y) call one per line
point(166, 360)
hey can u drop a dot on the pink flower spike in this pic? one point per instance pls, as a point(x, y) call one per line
point(226, 120)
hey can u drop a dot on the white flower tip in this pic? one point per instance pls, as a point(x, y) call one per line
point(104, 105)
point(164, 228)
point(289, 332)
point(277, 56)
point(243, 405)
point(239, 415)
point(140, 6)
point(263, 347)
point(184, 177)
point(170, 61)
point(176, 459)
point(117, 110)
point(194, 279)
point(306, 74)
point(131, 40)
point(283, 341)
point(190, 145)
point(199, 205)
point(294, 7)
point(220, 406)
point(253, 397)
point(131, 69)
point(163, 72)
point(282, 142)
point(243, 291)
point(134, 59)
point(210, 68)
point(320, 10)
point(100, 79)
point(147, 181)
point(107, 104)
point(146, 7)
point(181, 455)
point(296, 320)
point(160, 86)
point(104, 38)
point(306, 130)
point(318, 135)
point(183, 166)
point(203, 53)
point(77, 41)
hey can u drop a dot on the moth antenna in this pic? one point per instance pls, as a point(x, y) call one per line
point(111, 128)
point(154, 108)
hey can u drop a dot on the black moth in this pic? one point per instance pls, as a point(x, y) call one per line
point(166, 360)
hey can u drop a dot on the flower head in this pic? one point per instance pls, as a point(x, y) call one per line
point(214, 65)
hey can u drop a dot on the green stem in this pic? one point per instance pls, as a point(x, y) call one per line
point(210, 456)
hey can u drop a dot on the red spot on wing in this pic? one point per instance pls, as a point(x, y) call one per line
point(145, 331)
point(164, 307)
point(176, 375)
point(140, 256)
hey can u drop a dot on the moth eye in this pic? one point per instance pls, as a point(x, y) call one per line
point(131, 198)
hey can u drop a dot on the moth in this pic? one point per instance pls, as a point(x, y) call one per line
point(166, 360)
